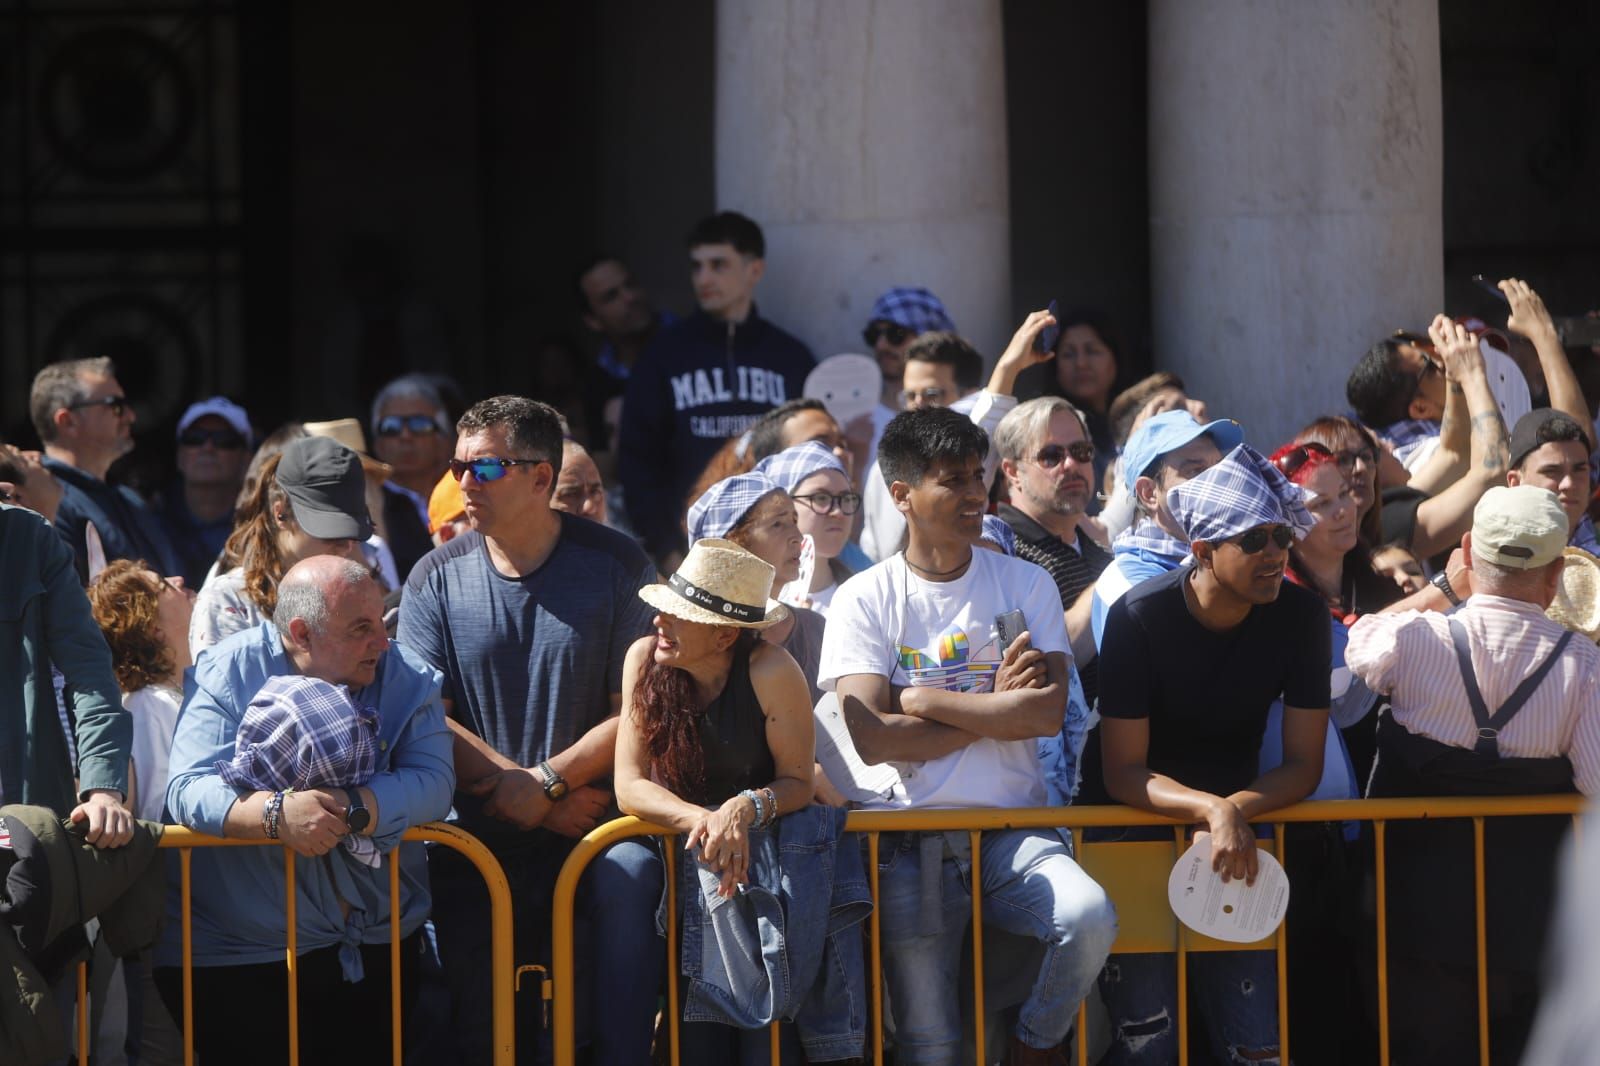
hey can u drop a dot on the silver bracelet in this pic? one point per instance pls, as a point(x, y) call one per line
point(760, 805)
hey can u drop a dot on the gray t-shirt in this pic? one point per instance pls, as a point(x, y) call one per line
point(529, 663)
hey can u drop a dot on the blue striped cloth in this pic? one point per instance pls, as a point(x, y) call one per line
point(1002, 536)
point(302, 733)
point(1241, 492)
point(721, 506)
point(916, 309)
point(790, 467)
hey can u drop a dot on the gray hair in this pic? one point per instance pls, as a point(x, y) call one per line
point(1027, 422)
point(1509, 581)
point(411, 387)
point(307, 600)
point(60, 385)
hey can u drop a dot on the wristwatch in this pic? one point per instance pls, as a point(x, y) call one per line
point(1441, 581)
point(555, 786)
point(356, 815)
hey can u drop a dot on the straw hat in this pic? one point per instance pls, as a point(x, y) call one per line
point(347, 431)
point(1577, 602)
point(720, 584)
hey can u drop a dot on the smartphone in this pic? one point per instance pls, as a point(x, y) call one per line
point(1045, 342)
point(1489, 287)
point(1008, 627)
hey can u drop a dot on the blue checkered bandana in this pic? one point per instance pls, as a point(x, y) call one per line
point(1241, 492)
point(915, 309)
point(793, 465)
point(1002, 536)
point(301, 732)
point(721, 506)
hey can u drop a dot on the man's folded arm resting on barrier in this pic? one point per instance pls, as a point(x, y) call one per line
point(1125, 744)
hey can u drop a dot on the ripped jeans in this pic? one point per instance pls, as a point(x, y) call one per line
point(1238, 996)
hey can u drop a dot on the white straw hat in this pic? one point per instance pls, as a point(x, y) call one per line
point(720, 584)
point(1577, 602)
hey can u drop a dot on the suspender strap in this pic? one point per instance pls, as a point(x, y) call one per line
point(1490, 725)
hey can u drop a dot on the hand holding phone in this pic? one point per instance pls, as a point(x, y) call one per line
point(1045, 342)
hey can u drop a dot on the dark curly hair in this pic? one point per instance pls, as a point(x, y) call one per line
point(669, 715)
point(126, 605)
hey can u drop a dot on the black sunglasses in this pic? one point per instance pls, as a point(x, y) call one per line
point(118, 404)
point(419, 425)
point(1291, 461)
point(1254, 540)
point(488, 469)
point(897, 334)
point(1348, 459)
point(227, 440)
point(824, 502)
point(1052, 455)
point(6, 497)
point(932, 394)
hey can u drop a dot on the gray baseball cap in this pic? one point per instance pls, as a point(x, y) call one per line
point(326, 488)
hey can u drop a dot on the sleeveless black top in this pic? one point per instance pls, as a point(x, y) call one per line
point(733, 737)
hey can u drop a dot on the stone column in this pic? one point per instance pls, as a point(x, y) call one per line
point(1295, 196)
point(868, 138)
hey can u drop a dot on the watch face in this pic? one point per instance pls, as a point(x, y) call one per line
point(358, 819)
point(556, 790)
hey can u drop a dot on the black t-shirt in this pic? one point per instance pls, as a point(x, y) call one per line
point(1207, 694)
point(1400, 505)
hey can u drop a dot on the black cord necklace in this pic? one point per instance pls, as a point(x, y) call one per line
point(937, 573)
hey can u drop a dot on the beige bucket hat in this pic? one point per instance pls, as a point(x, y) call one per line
point(720, 584)
point(1577, 602)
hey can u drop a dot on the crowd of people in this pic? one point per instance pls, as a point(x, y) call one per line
point(695, 596)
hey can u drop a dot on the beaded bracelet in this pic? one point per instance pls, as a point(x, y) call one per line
point(760, 805)
point(269, 815)
point(772, 806)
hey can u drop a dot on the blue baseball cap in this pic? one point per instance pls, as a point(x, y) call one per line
point(1169, 431)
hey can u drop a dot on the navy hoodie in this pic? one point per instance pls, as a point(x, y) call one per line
point(700, 382)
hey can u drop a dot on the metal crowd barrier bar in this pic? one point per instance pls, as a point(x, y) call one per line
point(469, 846)
point(975, 821)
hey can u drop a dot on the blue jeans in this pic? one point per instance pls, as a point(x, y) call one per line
point(1031, 887)
point(1237, 993)
point(620, 959)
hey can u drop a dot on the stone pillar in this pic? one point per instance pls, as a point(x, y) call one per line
point(1295, 196)
point(868, 138)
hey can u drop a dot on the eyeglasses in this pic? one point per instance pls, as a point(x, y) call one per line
point(490, 468)
point(419, 425)
point(117, 404)
point(825, 502)
point(227, 440)
point(1347, 459)
point(932, 394)
point(897, 334)
point(1291, 461)
point(1256, 539)
point(1052, 455)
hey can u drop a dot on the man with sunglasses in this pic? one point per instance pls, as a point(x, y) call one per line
point(411, 431)
point(85, 422)
point(898, 317)
point(1048, 462)
point(1191, 663)
point(528, 616)
point(196, 511)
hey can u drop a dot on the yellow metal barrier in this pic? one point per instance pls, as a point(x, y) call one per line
point(436, 832)
point(1142, 919)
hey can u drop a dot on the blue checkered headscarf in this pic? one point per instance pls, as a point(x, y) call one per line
point(1002, 536)
point(915, 309)
point(1241, 492)
point(790, 467)
point(721, 506)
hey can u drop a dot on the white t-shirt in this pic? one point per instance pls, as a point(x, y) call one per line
point(889, 622)
point(154, 710)
point(220, 610)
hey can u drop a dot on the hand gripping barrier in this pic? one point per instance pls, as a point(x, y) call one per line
point(1146, 923)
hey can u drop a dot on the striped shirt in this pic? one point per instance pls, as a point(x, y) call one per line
point(1410, 657)
point(1073, 567)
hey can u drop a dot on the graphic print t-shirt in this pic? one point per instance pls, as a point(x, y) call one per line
point(941, 634)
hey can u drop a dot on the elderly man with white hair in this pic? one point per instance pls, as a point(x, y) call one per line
point(328, 625)
point(1490, 697)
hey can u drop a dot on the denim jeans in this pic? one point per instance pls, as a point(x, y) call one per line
point(621, 962)
point(1237, 992)
point(1031, 887)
